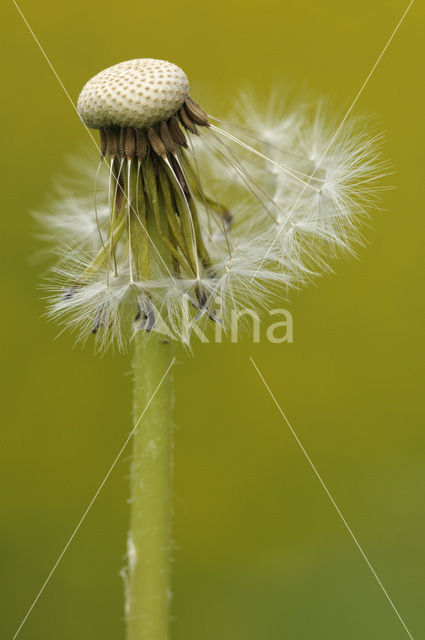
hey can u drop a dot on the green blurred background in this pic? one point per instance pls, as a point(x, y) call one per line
point(261, 552)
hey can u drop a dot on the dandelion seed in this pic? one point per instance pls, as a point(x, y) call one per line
point(189, 210)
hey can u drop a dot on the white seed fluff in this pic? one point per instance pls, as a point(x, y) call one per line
point(137, 93)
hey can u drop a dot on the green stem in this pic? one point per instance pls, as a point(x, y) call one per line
point(151, 477)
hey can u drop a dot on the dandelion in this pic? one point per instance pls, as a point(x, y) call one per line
point(192, 218)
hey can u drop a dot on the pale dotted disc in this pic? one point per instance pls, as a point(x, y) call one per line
point(136, 93)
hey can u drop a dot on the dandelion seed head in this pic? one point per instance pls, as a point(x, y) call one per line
point(193, 218)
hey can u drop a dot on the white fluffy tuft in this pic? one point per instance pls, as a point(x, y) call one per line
point(290, 218)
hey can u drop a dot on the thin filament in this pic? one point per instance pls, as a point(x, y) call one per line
point(130, 262)
point(247, 179)
point(95, 203)
point(290, 172)
point(262, 141)
point(192, 228)
point(221, 225)
point(111, 230)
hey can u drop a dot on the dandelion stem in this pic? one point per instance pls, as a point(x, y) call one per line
point(151, 476)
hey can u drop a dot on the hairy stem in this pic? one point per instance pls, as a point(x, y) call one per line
point(151, 477)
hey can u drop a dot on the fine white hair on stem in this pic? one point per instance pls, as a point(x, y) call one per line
point(229, 219)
